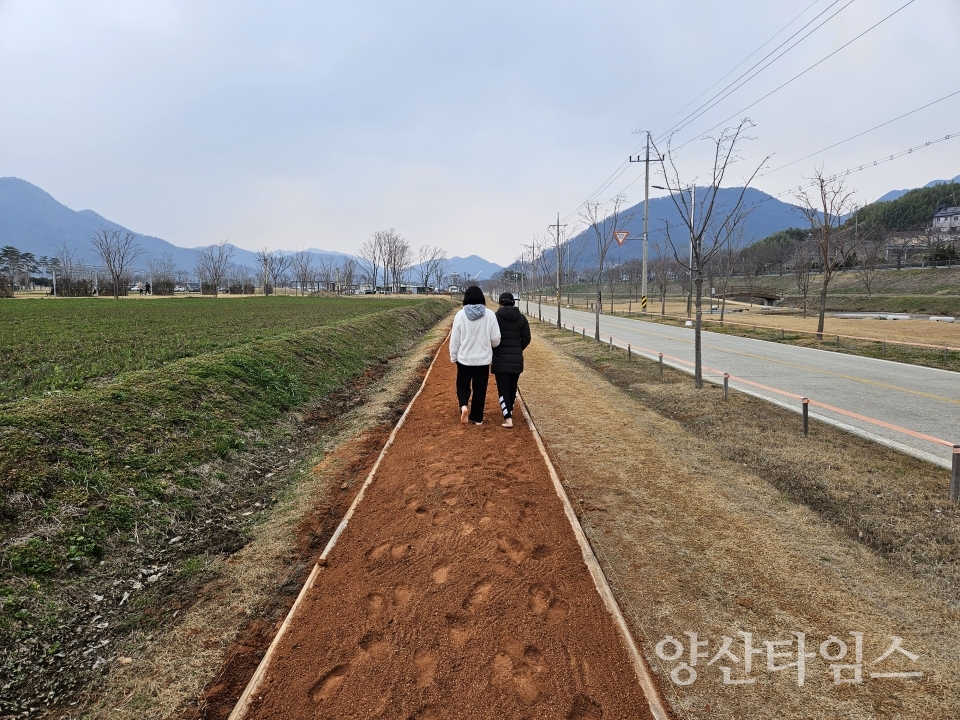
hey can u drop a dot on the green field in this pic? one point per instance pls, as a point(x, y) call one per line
point(67, 344)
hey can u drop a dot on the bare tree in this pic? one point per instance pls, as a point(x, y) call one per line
point(898, 244)
point(726, 262)
point(803, 266)
point(303, 272)
point(348, 273)
point(117, 249)
point(717, 224)
point(604, 229)
point(825, 202)
point(441, 271)
point(162, 271)
point(277, 266)
point(572, 250)
point(869, 257)
point(372, 254)
point(396, 259)
point(212, 263)
point(663, 267)
point(263, 260)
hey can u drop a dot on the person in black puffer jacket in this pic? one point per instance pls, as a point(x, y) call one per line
point(508, 355)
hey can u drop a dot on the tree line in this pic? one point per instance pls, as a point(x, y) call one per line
point(387, 262)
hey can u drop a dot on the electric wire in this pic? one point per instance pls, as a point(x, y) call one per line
point(734, 68)
point(798, 75)
point(625, 165)
point(733, 86)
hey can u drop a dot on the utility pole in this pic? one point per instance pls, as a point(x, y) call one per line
point(693, 204)
point(559, 256)
point(646, 222)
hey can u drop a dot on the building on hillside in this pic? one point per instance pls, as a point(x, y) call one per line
point(946, 219)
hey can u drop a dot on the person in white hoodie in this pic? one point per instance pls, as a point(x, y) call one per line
point(474, 336)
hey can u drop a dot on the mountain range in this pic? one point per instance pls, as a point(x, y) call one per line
point(894, 194)
point(33, 221)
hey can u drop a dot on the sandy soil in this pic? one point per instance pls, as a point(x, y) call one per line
point(695, 543)
point(456, 591)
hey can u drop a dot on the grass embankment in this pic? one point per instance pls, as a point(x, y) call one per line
point(893, 503)
point(65, 343)
point(929, 291)
point(112, 496)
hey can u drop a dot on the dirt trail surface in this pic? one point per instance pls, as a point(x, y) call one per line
point(457, 590)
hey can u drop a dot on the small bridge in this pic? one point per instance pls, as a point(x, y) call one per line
point(768, 295)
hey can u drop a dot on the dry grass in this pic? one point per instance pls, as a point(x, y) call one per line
point(720, 517)
point(169, 669)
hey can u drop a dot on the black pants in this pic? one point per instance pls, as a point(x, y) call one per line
point(507, 390)
point(475, 375)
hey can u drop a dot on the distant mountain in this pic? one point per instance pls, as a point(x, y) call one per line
point(895, 194)
point(33, 221)
point(472, 266)
point(768, 215)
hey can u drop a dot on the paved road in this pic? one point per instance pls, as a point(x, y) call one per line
point(922, 399)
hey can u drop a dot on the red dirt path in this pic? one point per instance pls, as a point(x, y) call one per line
point(456, 591)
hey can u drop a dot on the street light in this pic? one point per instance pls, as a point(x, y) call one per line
point(693, 202)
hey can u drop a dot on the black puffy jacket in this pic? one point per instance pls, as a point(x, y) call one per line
point(514, 337)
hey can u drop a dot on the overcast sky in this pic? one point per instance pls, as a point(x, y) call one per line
point(462, 125)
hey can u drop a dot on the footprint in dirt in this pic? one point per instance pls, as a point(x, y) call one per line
point(515, 548)
point(378, 552)
point(441, 571)
point(379, 604)
point(543, 603)
point(416, 507)
point(521, 668)
point(374, 644)
point(329, 683)
point(425, 663)
point(459, 629)
point(585, 709)
point(479, 594)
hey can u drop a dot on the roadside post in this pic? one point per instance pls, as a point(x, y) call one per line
point(955, 475)
point(661, 366)
point(806, 416)
point(726, 385)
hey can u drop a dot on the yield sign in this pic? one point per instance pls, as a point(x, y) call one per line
point(620, 235)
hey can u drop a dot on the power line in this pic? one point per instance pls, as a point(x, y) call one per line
point(730, 89)
point(731, 70)
point(860, 134)
point(800, 74)
point(624, 166)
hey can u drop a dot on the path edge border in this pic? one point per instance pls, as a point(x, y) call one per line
point(644, 677)
point(243, 703)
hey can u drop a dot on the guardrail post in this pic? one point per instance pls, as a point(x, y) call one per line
point(726, 385)
point(661, 366)
point(628, 351)
point(806, 416)
point(955, 475)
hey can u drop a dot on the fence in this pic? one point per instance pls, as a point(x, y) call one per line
point(804, 402)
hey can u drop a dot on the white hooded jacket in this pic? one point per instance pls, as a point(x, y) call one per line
point(474, 336)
